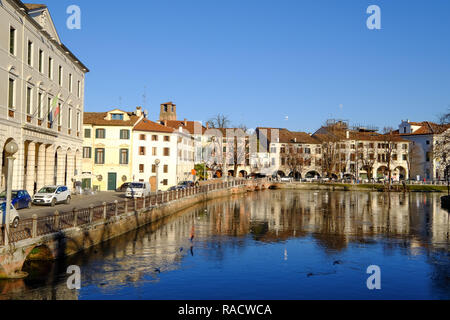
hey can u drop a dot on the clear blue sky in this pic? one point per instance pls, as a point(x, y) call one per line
point(258, 61)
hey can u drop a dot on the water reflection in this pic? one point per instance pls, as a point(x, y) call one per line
point(206, 236)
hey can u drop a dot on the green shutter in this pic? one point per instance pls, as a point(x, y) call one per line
point(96, 156)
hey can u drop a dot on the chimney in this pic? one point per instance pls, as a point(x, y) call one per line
point(185, 122)
point(164, 123)
point(139, 111)
point(207, 126)
point(347, 134)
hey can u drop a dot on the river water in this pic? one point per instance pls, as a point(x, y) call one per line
point(274, 244)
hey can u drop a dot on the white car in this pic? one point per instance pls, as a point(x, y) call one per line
point(138, 190)
point(286, 179)
point(52, 195)
point(14, 218)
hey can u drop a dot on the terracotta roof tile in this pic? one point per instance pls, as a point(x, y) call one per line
point(148, 125)
point(189, 125)
point(98, 119)
point(34, 6)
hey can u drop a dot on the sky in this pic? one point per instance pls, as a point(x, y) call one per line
point(272, 63)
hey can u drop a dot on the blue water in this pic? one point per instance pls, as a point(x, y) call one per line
point(272, 245)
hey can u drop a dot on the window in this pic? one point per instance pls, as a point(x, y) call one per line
point(428, 142)
point(70, 82)
point(142, 151)
point(371, 145)
point(166, 138)
point(60, 114)
point(69, 124)
point(154, 151)
point(166, 168)
point(428, 156)
point(166, 152)
point(165, 182)
point(123, 156)
point(99, 156)
point(117, 116)
point(394, 157)
point(141, 168)
point(49, 109)
point(12, 40)
point(60, 72)
point(405, 147)
point(30, 53)
point(11, 94)
point(100, 134)
point(142, 137)
point(50, 68)
point(405, 158)
point(307, 150)
point(124, 134)
point(87, 133)
point(78, 121)
point(41, 62)
point(79, 90)
point(154, 138)
point(153, 168)
point(40, 115)
point(87, 153)
point(29, 93)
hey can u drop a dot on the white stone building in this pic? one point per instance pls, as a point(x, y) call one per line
point(173, 148)
point(423, 136)
point(39, 75)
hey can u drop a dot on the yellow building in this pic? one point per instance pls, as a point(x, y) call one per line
point(107, 148)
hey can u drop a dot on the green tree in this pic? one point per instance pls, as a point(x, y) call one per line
point(201, 172)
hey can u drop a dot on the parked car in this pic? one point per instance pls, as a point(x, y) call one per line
point(286, 179)
point(14, 218)
point(123, 188)
point(20, 199)
point(138, 190)
point(186, 184)
point(52, 195)
point(174, 188)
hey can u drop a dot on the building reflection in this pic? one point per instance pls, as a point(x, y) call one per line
point(334, 220)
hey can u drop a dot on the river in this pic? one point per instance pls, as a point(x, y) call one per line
point(274, 244)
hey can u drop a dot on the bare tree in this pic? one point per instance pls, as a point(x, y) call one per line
point(388, 147)
point(219, 121)
point(441, 146)
point(367, 155)
point(296, 159)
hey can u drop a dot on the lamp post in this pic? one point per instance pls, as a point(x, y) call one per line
point(157, 162)
point(11, 148)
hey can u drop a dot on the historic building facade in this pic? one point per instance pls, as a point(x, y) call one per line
point(42, 100)
point(423, 136)
point(108, 148)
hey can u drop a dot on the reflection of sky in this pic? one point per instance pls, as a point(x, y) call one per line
point(281, 245)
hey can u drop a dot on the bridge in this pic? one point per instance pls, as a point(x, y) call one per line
point(64, 234)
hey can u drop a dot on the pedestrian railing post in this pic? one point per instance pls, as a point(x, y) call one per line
point(104, 210)
point(34, 231)
point(116, 208)
point(143, 202)
point(91, 213)
point(75, 217)
point(56, 220)
point(135, 204)
point(126, 206)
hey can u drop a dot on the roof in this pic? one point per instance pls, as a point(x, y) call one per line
point(187, 125)
point(34, 6)
point(427, 127)
point(150, 126)
point(324, 134)
point(286, 136)
point(98, 119)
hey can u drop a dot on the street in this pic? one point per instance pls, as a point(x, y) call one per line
point(79, 201)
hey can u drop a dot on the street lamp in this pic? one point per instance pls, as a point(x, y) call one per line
point(157, 162)
point(11, 148)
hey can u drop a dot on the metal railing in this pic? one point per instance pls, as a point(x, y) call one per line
point(36, 227)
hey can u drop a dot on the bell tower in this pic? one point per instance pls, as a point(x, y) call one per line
point(168, 111)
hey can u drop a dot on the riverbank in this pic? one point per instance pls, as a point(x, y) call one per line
point(359, 187)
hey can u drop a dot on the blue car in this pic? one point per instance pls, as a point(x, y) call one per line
point(20, 199)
